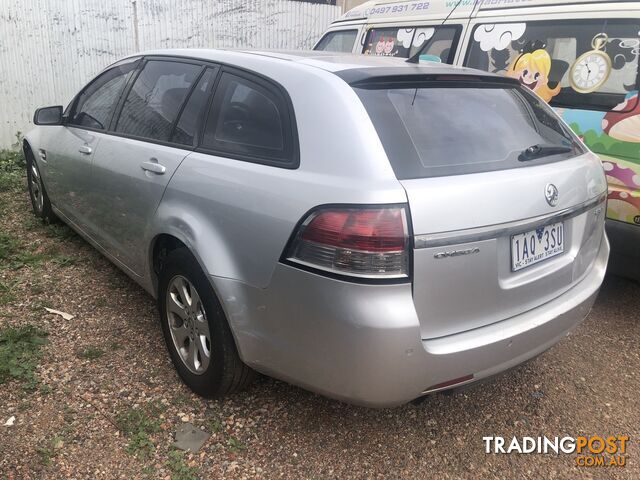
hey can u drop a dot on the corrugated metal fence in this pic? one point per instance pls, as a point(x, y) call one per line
point(50, 48)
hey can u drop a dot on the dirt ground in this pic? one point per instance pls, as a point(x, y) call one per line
point(105, 401)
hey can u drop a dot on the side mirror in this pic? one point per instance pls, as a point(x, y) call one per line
point(48, 116)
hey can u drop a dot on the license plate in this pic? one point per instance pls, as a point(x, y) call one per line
point(536, 245)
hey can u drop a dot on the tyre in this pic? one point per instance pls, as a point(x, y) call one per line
point(39, 198)
point(196, 331)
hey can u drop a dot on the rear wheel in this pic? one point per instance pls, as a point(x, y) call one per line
point(39, 198)
point(196, 331)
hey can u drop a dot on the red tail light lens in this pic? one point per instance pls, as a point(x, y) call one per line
point(362, 242)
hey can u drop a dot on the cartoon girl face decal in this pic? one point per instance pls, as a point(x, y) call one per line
point(388, 46)
point(532, 68)
point(380, 46)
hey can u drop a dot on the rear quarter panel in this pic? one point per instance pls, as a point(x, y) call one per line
point(237, 216)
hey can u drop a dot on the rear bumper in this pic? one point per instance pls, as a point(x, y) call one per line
point(625, 249)
point(362, 344)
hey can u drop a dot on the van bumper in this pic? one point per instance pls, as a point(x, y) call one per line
point(361, 343)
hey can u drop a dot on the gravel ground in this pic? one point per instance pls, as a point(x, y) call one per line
point(108, 400)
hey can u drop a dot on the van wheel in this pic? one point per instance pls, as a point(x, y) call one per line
point(196, 331)
point(39, 198)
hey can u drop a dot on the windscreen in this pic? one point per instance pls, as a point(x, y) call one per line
point(435, 130)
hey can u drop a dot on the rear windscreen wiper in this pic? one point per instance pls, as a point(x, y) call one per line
point(537, 151)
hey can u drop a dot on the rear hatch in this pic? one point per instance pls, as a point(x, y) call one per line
point(507, 206)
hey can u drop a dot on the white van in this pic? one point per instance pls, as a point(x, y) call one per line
point(580, 56)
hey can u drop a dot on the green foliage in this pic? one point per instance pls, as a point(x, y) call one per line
point(235, 445)
point(179, 469)
point(46, 453)
point(215, 425)
point(12, 169)
point(8, 246)
point(90, 353)
point(20, 353)
point(6, 292)
point(49, 450)
point(13, 255)
point(138, 425)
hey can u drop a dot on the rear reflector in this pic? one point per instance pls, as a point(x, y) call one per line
point(361, 242)
point(448, 384)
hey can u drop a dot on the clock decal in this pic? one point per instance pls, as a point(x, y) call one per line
point(591, 69)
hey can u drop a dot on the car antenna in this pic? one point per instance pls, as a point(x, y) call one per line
point(416, 57)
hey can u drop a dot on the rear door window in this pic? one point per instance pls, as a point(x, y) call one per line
point(437, 43)
point(585, 64)
point(155, 99)
point(338, 41)
point(190, 118)
point(446, 128)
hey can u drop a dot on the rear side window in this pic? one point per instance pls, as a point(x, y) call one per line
point(155, 99)
point(438, 43)
point(430, 131)
point(250, 120)
point(98, 101)
point(338, 41)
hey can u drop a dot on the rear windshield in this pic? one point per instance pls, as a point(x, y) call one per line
point(430, 131)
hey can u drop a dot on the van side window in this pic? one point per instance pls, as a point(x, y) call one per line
point(155, 99)
point(587, 64)
point(437, 43)
point(338, 41)
point(249, 120)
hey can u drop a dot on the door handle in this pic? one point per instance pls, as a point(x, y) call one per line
point(86, 149)
point(153, 166)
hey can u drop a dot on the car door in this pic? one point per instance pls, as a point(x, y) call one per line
point(67, 158)
point(154, 131)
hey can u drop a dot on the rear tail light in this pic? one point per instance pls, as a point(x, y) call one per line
point(360, 242)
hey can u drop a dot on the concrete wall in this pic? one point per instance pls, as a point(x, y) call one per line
point(50, 48)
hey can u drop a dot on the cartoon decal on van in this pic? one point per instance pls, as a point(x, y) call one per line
point(394, 42)
point(532, 69)
point(615, 136)
point(579, 63)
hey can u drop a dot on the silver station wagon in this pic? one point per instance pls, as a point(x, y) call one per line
point(366, 228)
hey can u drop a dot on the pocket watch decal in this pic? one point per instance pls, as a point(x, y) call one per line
point(591, 69)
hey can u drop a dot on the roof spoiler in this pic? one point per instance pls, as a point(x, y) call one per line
point(397, 77)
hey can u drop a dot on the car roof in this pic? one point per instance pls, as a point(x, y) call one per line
point(338, 63)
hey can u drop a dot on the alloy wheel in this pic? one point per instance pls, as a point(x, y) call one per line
point(188, 324)
point(36, 188)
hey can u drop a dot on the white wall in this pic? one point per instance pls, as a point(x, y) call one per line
point(50, 48)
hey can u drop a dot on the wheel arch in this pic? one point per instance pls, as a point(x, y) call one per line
point(160, 247)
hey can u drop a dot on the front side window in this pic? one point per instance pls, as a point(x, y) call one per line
point(248, 119)
point(97, 102)
point(154, 101)
point(591, 64)
point(436, 43)
point(430, 131)
point(338, 41)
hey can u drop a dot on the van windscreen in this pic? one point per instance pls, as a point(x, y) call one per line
point(430, 131)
